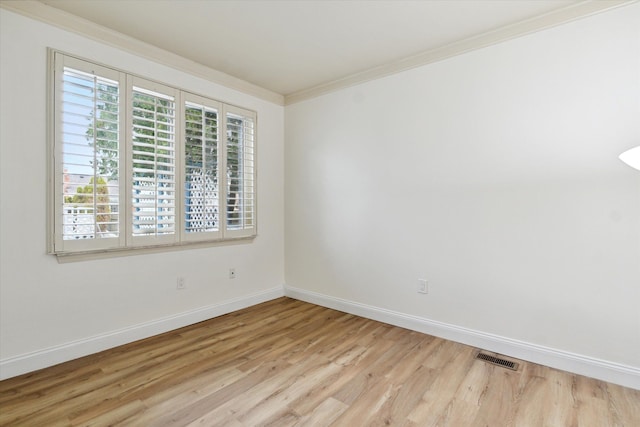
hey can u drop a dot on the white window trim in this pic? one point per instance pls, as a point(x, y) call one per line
point(126, 243)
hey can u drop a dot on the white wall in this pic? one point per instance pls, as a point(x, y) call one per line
point(50, 311)
point(495, 176)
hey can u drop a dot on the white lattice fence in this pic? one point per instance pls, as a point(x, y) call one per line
point(202, 202)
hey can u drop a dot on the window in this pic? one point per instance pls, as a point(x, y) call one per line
point(240, 172)
point(142, 164)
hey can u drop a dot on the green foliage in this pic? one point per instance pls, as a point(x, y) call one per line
point(103, 132)
point(85, 196)
point(154, 119)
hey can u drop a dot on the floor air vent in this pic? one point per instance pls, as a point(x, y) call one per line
point(497, 361)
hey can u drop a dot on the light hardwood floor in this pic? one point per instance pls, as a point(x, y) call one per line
point(289, 363)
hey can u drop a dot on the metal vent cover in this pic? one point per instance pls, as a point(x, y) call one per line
point(497, 361)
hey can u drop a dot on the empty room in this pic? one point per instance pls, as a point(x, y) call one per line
point(320, 213)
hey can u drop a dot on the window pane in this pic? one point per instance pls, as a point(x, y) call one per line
point(240, 172)
point(153, 162)
point(201, 169)
point(89, 112)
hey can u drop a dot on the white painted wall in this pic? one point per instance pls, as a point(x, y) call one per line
point(45, 305)
point(495, 176)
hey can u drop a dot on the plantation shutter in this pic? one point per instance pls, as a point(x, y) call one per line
point(153, 169)
point(138, 164)
point(240, 172)
point(88, 145)
point(201, 165)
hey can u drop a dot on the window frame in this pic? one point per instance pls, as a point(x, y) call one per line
point(142, 240)
point(218, 107)
point(238, 112)
point(82, 245)
point(126, 241)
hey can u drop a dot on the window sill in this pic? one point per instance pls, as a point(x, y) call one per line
point(66, 257)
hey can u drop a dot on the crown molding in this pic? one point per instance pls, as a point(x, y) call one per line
point(66, 21)
point(521, 28)
point(42, 12)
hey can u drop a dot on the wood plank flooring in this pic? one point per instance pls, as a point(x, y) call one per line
point(289, 363)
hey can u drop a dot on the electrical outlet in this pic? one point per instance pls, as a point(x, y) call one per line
point(181, 283)
point(423, 286)
point(232, 273)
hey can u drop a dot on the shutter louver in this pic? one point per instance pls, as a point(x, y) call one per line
point(89, 132)
point(153, 164)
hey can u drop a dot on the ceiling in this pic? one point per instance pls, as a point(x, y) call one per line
point(289, 47)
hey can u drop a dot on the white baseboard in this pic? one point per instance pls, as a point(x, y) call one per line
point(29, 362)
point(627, 376)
